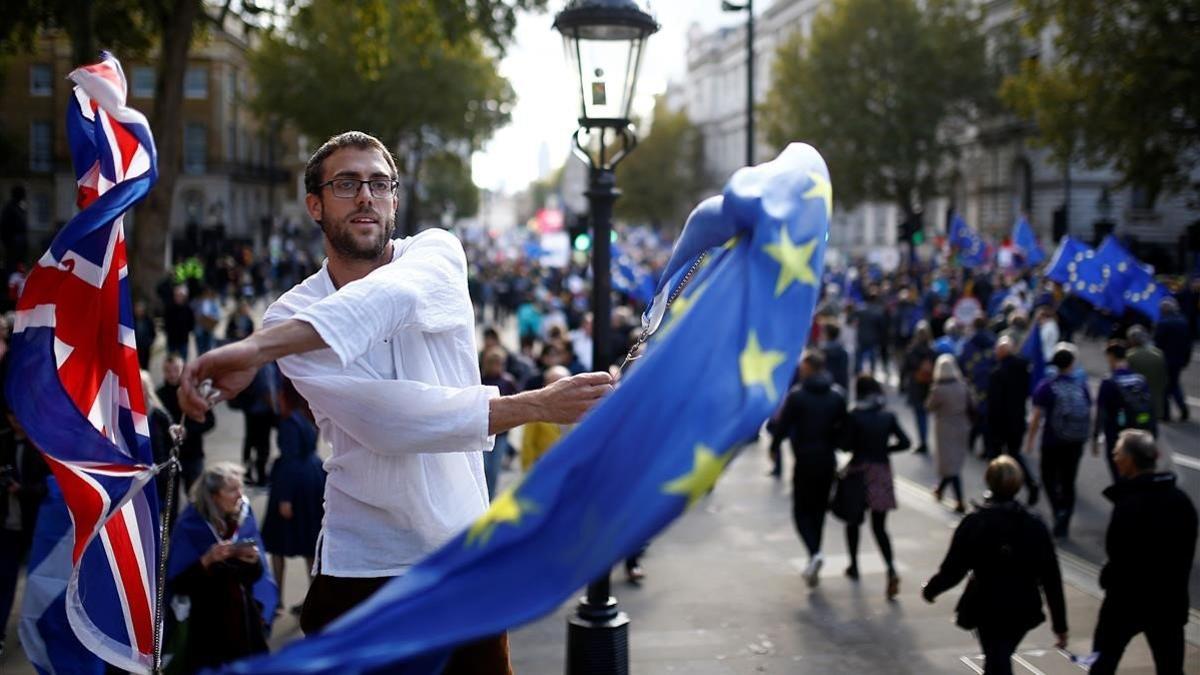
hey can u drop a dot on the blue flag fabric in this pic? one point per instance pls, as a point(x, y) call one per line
point(715, 370)
point(45, 631)
point(1032, 352)
point(1102, 276)
point(1024, 238)
point(973, 251)
point(1067, 257)
point(1143, 293)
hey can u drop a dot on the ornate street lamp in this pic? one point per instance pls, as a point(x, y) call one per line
point(604, 41)
point(748, 7)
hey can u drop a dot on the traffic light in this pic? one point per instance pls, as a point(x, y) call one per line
point(905, 234)
point(578, 232)
point(912, 231)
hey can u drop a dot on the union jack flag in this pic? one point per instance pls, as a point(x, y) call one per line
point(74, 382)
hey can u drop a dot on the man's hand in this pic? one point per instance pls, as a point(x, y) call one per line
point(285, 510)
point(231, 369)
point(565, 401)
point(217, 553)
point(1060, 640)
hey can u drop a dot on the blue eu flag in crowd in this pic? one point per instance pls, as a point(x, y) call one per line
point(1024, 238)
point(972, 249)
point(1130, 282)
point(1066, 259)
point(716, 368)
point(1143, 293)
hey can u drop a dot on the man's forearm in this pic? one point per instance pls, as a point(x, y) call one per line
point(285, 338)
point(509, 412)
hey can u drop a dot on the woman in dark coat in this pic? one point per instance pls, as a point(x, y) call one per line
point(296, 505)
point(222, 596)
point(870, 429)
point(1010, 556)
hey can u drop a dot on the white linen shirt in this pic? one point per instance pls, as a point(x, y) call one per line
point(398, 396)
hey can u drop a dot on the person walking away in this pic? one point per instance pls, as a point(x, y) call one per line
point(1008, 393)
point(1148, 361)
point(812, 418)
point(1173, 337)
point(976, 361)
point(23, 475)
point(1010, 557)
point(870, 430)
point(1062, 402)
point(951, 342)
point(296, 503)
point(916, 378)
point(494, 375)
point(240, 324)
point(948, 401)
point(837, 359)
point(1151, 544)
point(217, 577)
point(1124, 401)
point(191, 452)
point(178, 321)
point(871, 330)
point(144, 333)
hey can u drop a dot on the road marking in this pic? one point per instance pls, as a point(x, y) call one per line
point(971, 664)
point(1027, 665)
point(1186, 460)
point(1194, 401)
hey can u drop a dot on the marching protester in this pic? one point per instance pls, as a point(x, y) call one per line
point(1062, 411)
point(812, 418)
point(1151, 544)
point(1124, 401)
point(493, 374)
point(948, 401)
point(1174, 338)
point(381, 343)
point(223, 597)
point(916, 376)
point(1010, 557)
point(868, 484)
point(1148, 361)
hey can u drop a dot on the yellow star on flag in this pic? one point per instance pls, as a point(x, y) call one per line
point(505, 509)
point(795, 262)
point(706, 468)
point(756, 365)
point(821, 188)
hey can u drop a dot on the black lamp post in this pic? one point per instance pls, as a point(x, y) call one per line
point(748, 8)
point(604, 41)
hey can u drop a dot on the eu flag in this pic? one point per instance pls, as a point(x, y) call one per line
point(1024, 238)
point(1067, 257)
point(1130, 283)
point(1143, 293)
point(714, 371)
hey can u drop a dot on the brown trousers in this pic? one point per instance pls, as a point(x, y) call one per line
point(330, 597)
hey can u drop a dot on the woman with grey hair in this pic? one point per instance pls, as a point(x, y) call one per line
point(948, 400)
point(1009, 554)
point(222, 595)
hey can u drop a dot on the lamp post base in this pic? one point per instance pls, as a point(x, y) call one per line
point(598, 640)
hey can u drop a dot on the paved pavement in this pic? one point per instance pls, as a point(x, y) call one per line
point(724, 594)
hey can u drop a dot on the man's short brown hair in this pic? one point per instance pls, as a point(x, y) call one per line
point(347, 139)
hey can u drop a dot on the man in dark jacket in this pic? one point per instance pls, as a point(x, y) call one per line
point(837, 359)
point(191, 452)
point(1007, 393)
point(977, 360)
point(1012, 561)
point(23, 475)
point(179, 320)
point(1172, 336)
point(812, 418)
point(1124, 401)
point(1151, 542)
point(871, 326)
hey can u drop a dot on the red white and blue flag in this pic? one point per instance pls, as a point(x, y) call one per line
point(73, 379)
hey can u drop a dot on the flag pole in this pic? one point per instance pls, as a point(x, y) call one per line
point(160, 581)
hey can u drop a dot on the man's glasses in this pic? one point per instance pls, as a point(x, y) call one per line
point(347, 188)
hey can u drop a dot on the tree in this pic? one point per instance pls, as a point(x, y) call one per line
point(1122, 87)
point(449, 193)
point(663, 178)
point(413, 73)
point(883, 90)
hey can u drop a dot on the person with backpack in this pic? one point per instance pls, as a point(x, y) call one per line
point(1010, 557)
point(1063, 402)
point(1124, 401)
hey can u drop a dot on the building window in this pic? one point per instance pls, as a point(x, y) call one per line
point(41, 79)
point(41, 147)
point(195, 148)
point(143, 81)
point(195, 82)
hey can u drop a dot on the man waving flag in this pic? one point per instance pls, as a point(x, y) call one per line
point(74, 383)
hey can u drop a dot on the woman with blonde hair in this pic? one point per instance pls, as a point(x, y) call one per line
point(948, 401)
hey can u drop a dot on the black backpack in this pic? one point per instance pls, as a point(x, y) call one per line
point(1071, 418)
point(1137, 405)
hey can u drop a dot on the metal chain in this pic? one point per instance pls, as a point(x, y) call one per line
point(172, 467)
point(645, 335)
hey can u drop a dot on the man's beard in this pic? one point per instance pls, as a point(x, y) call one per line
point(346, 245)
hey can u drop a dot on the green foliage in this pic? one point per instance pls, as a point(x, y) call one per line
point(882, 89)
point(662, 179)
point(448, 189)
point(125, 26)
point(1122, 86)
